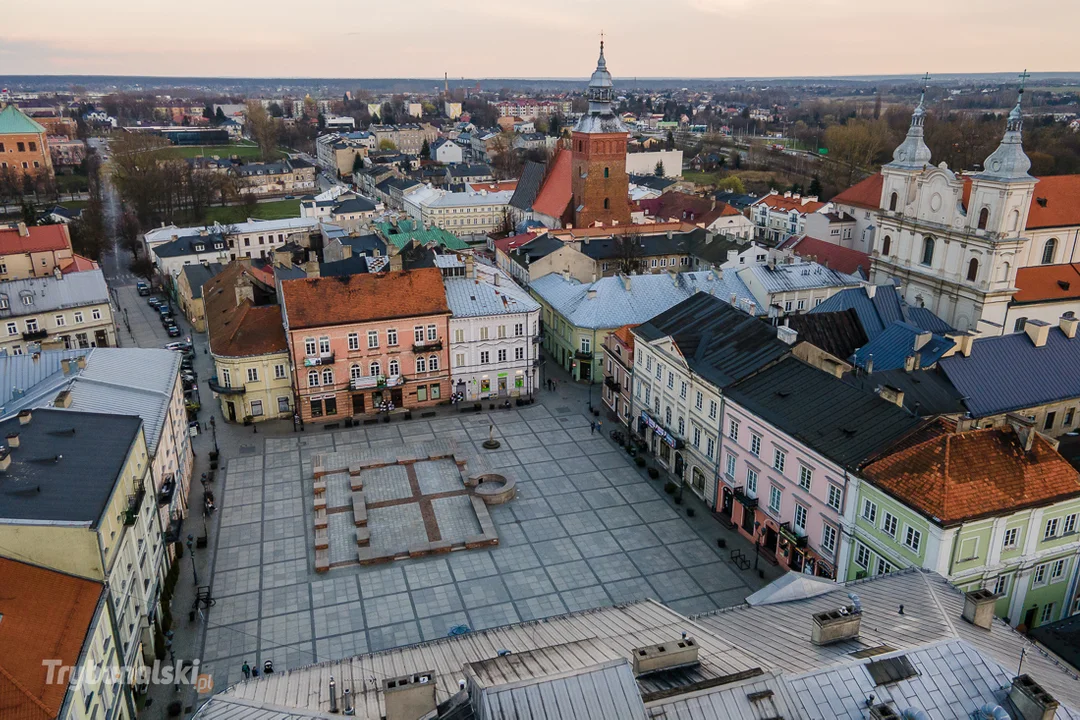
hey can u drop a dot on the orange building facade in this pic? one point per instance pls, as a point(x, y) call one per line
point(23, 142)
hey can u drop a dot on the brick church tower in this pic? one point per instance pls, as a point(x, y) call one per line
point(598, 177)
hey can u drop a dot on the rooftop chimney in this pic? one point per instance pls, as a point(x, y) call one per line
point(625, 282)
point(787, 335)
point(665, 656)
point(922, 338)
point(65, 365)
point(409, 697)
point(244, 291)
point(1031, 700)
point(81, 362)
point(1038, 331)
point(25, 417)
point(893, 394)
point(23, 230)
point(591, 294)
point(871, 290)
point(835, 625)
point(63, 399)
point(881, 711)
point(1068, 326)
point(5, 459)
point(13, 440)
point(979, 608)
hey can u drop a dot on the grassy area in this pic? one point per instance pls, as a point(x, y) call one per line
point(72, 183)
point(263, 211)
point(73, 204)
point(701, 178)
point(247, 152)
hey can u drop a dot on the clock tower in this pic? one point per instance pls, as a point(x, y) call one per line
point(598, 179)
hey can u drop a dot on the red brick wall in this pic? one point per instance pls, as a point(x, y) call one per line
point(591, 155)
point(15, 159)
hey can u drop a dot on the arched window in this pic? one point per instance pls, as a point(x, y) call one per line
point(313, 378)
point(433, 362)
point(928, 251)
point(393, 368)
point(1014, 220)
point(607, 204)
point(886, 245)
point(328, 376)
point(973, 270)
point(580, 146)
point(373, 369)
point(1020, 323)
point(355, 373)
point(1005, 267)
point(605, 172)
point(1048, 251)
point(984, 218)
point(421, 364)
point(892, 201)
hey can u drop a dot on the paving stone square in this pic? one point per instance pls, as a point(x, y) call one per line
point(587, 529)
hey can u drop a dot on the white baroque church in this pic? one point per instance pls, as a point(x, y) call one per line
point(953, 242)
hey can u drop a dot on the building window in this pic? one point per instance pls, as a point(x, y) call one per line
point(418, 334)
point(1020, 324)
point(698, 400)
point(1011, 536)
point(391, 337)
point(502, 355)
point(485, 357)
point(1051, 528)
point(519, 330)
point(1038, 577)
point(779, 459)
point(682, 391)
point(1048, 421)
point(374, 370)
point(659, 371)
point(393, 368)
point(710, 445)
point(328, 376)
point(712, 409)
point(755, 444)
point(913, 539)
point(730, 469)
point(607, 204)
point(670, 380)
point(1001, 585)
point(697, 437)
point(256, 408)
point(586, 345)
point(1047, 614)
point(973, 270)
point(324, 345)
point(59, 320)
point(836, 497)
point(433, 361)
point(354, 341)
point(775, 498)
point(984, 218)
point(869, 511)
point(253, 374)
point(373, 339)
point(313, 378)
point(432, 332)
point(883, 567)
point(519, 353)
point(1070, 525)
point(1049, 249)
point(888, 524)
point(283, 405)
point(310, 347)
point(12, 329)
point(355, 373)
point(886, 245)
point(733, 430)
point(421, 364)
point(279, 371)
point(806, 477)
point(828, 538)
point(892, 202)
point(751, 481)
point(226, 378)
point(862, 556)
point(1057, 570)
point(682, 428)
point(605, 172)
point(799, 519)
point(928, 251)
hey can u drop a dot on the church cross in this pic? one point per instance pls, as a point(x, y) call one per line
point(925, 80)
point(1023, 79)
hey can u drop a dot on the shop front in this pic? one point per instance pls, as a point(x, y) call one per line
point(662, 443)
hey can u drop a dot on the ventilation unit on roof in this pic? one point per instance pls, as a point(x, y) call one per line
point(409, 697)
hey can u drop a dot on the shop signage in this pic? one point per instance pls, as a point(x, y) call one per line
point(660, 430)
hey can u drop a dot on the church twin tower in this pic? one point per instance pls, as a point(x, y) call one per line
point(598, 179)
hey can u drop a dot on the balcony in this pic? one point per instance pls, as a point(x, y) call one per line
point(583, 355)
point(538, 338)
point(320, 359)
point(131, 514)
point(35, 335)
point(795, 537)
point(744, 499)
point(427, 346)
point(224, 389)
point(173, 532)
point(610, 383)
point(165, 494)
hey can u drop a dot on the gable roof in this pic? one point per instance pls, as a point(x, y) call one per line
point(844, 424)
point(927, 393)
point(785, 277)
point(899, 341)
point(837, 333)
point(801, 205)
point(47, 615)
point(1008, 372)
point(14, 121)
point(885, 307)
point(198, 274)
point(831, 255)
point(472, 298)
point(683, 207)
point(39, 238)
point(718, 342)
point(651, 181)
point(555, 192)
point(955, 477)
point(528, 186)
point(1061, 195)
point(1047, 283)
point(865, 194)
point(245, 329)
point(318, 302)
point(407, 230)
point(49, 293)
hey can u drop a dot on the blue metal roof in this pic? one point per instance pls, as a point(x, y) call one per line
point(896, 343)
point(886, 307)
point(1009, 373)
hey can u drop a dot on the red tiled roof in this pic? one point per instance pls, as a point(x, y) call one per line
point(46, 615)
point(79, 264)
point(1043, 283)
point(865, 194)
point(507, 244)
point(780, 202)
point(846, 260)
point(241, 330)
point(1062, 196)
point(555, 192)
point(955, 477)
point(498, 186)
point(40, 238)
point(625, 336)
point(318, 302)
point(678, 206)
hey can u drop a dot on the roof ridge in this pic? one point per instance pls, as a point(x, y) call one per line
point(33, 698)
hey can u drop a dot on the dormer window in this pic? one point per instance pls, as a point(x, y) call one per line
point(3, 302)
point(27, 298)
point(199, 247)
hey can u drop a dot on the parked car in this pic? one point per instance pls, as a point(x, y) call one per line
point(153, 301)
point(179, 345)
point(173, 331)
point(142, 288)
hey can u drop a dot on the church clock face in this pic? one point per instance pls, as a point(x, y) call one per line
point(995, 165)
point(901, 154)
point(935, 202)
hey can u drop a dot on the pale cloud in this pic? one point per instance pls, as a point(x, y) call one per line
point(551, 38)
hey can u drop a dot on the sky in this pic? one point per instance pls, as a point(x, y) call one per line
point(540, 38)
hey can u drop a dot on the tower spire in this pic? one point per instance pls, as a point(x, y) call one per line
point(913, 152)
point(1009, 161)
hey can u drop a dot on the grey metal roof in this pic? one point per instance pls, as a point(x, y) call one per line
point(926, 392)
point(886, 307)
point(603, 692)
point(117, 381)
point(1009, 373)
point(838, 333)
point(354, 205)
point(898, 342)
point(475, 170)
point(799, 276)
point(49, 293)
point(66, 466)
point(473, 298)
point(613, 305)
point(720, 343)
point(198, 274)
point(843, 423)
point(652, 182)
point(181, 246)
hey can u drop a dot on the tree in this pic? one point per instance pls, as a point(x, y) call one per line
point(854, 147)
point(815, 187)
point(263, 129)
point(658, 171)
point(387, 144)
point(425, 150)
point(219, 116)
point(208, 113)
point(670, 142)
point(627, 254)
point(358, 163)
point(142, 267)
point(128, 232)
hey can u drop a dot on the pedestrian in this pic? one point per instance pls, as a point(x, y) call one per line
point(246, 669)
point(592, 428)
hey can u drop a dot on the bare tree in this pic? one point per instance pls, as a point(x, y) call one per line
point(628, 254)
point(855, 147)
point(263, 129)
point(128, 232)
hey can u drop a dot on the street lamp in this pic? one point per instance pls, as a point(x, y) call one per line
point(213, 432)
point(191, 552)
point(757, 543)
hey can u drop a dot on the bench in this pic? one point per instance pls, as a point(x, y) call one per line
point(322, 539)
point(320, 518)
point(359, 508)
point(322, 561)
point(320, 503)
point(320, 487)
point(363, 536)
